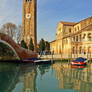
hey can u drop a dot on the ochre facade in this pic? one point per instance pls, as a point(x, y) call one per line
point(29, 21)
point(73, 39)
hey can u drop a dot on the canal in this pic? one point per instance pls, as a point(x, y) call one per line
point(57, 77)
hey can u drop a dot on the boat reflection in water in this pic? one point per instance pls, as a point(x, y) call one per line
point(78, 67)
point(58, 77)
point(71, 77)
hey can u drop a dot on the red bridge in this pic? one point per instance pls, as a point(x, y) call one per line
point(20, 52)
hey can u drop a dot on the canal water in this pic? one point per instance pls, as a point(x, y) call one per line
point(57, 77)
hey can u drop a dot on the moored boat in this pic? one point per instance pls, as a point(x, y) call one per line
point(79, 61)
point(37, 61)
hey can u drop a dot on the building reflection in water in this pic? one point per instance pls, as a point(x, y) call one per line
point(77, 79)
point(30, 75)
point(11, 76)
point(29, 79)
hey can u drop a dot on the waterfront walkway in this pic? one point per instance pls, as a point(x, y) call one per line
point(58, 56)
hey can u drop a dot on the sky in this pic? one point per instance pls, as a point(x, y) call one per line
point(49, 14)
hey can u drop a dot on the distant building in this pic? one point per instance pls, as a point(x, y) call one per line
point(73, 39)
point(29, 21)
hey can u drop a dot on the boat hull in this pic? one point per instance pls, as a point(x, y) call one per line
point(79, 63)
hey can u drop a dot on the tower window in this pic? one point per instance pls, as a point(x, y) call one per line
point(28, 0)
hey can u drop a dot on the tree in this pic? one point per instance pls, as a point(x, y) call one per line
point(31, 45)
point(13, 31)
point(9, 29)
point(47, 46)
point(42, 45)
point(18, 37)
point(23, 44)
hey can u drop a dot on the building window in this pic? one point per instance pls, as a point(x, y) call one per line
point(75, 29)
point(80, 37)
point(89, 36)
point(89, 49)
point(85, 50)
point(69, 30)
point(84, 36)
point(77, 38)
point(78, 28)
point(80, 50)
point(76, 50)
point(74, 39)
point(28, 0)
point(73, 50)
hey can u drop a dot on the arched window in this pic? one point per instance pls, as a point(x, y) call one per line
point(89, 36)
point(84, 36)
point(78, 28)
point(89, 49)
point(69, 30)
point(73, 50)
point(80, 50)
point(77, 38)
point(74, 38)
point(80, 37)
point(85, 50)
point(75, 29)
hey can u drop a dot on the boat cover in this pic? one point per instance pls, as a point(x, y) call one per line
point(79, 59)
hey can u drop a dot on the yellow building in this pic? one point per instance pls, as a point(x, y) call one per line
point(73, 39)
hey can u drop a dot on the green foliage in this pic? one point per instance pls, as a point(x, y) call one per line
point(42, 45)
point(47, 46)
point(23, 44)
point(31, 45)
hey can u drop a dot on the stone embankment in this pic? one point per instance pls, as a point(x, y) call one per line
point(55, 57)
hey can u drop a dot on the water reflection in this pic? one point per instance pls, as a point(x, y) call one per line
point(29, 75)
point(29, 78)
point(70, 78)
point(59, 77)
point(8, 77)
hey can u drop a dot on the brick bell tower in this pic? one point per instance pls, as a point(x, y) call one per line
point(29, 22)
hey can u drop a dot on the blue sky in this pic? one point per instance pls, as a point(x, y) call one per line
point(50, 12)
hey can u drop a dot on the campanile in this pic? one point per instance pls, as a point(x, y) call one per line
point(29, 21)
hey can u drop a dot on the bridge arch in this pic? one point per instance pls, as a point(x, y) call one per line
point(5, 43)
point(20, 52)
